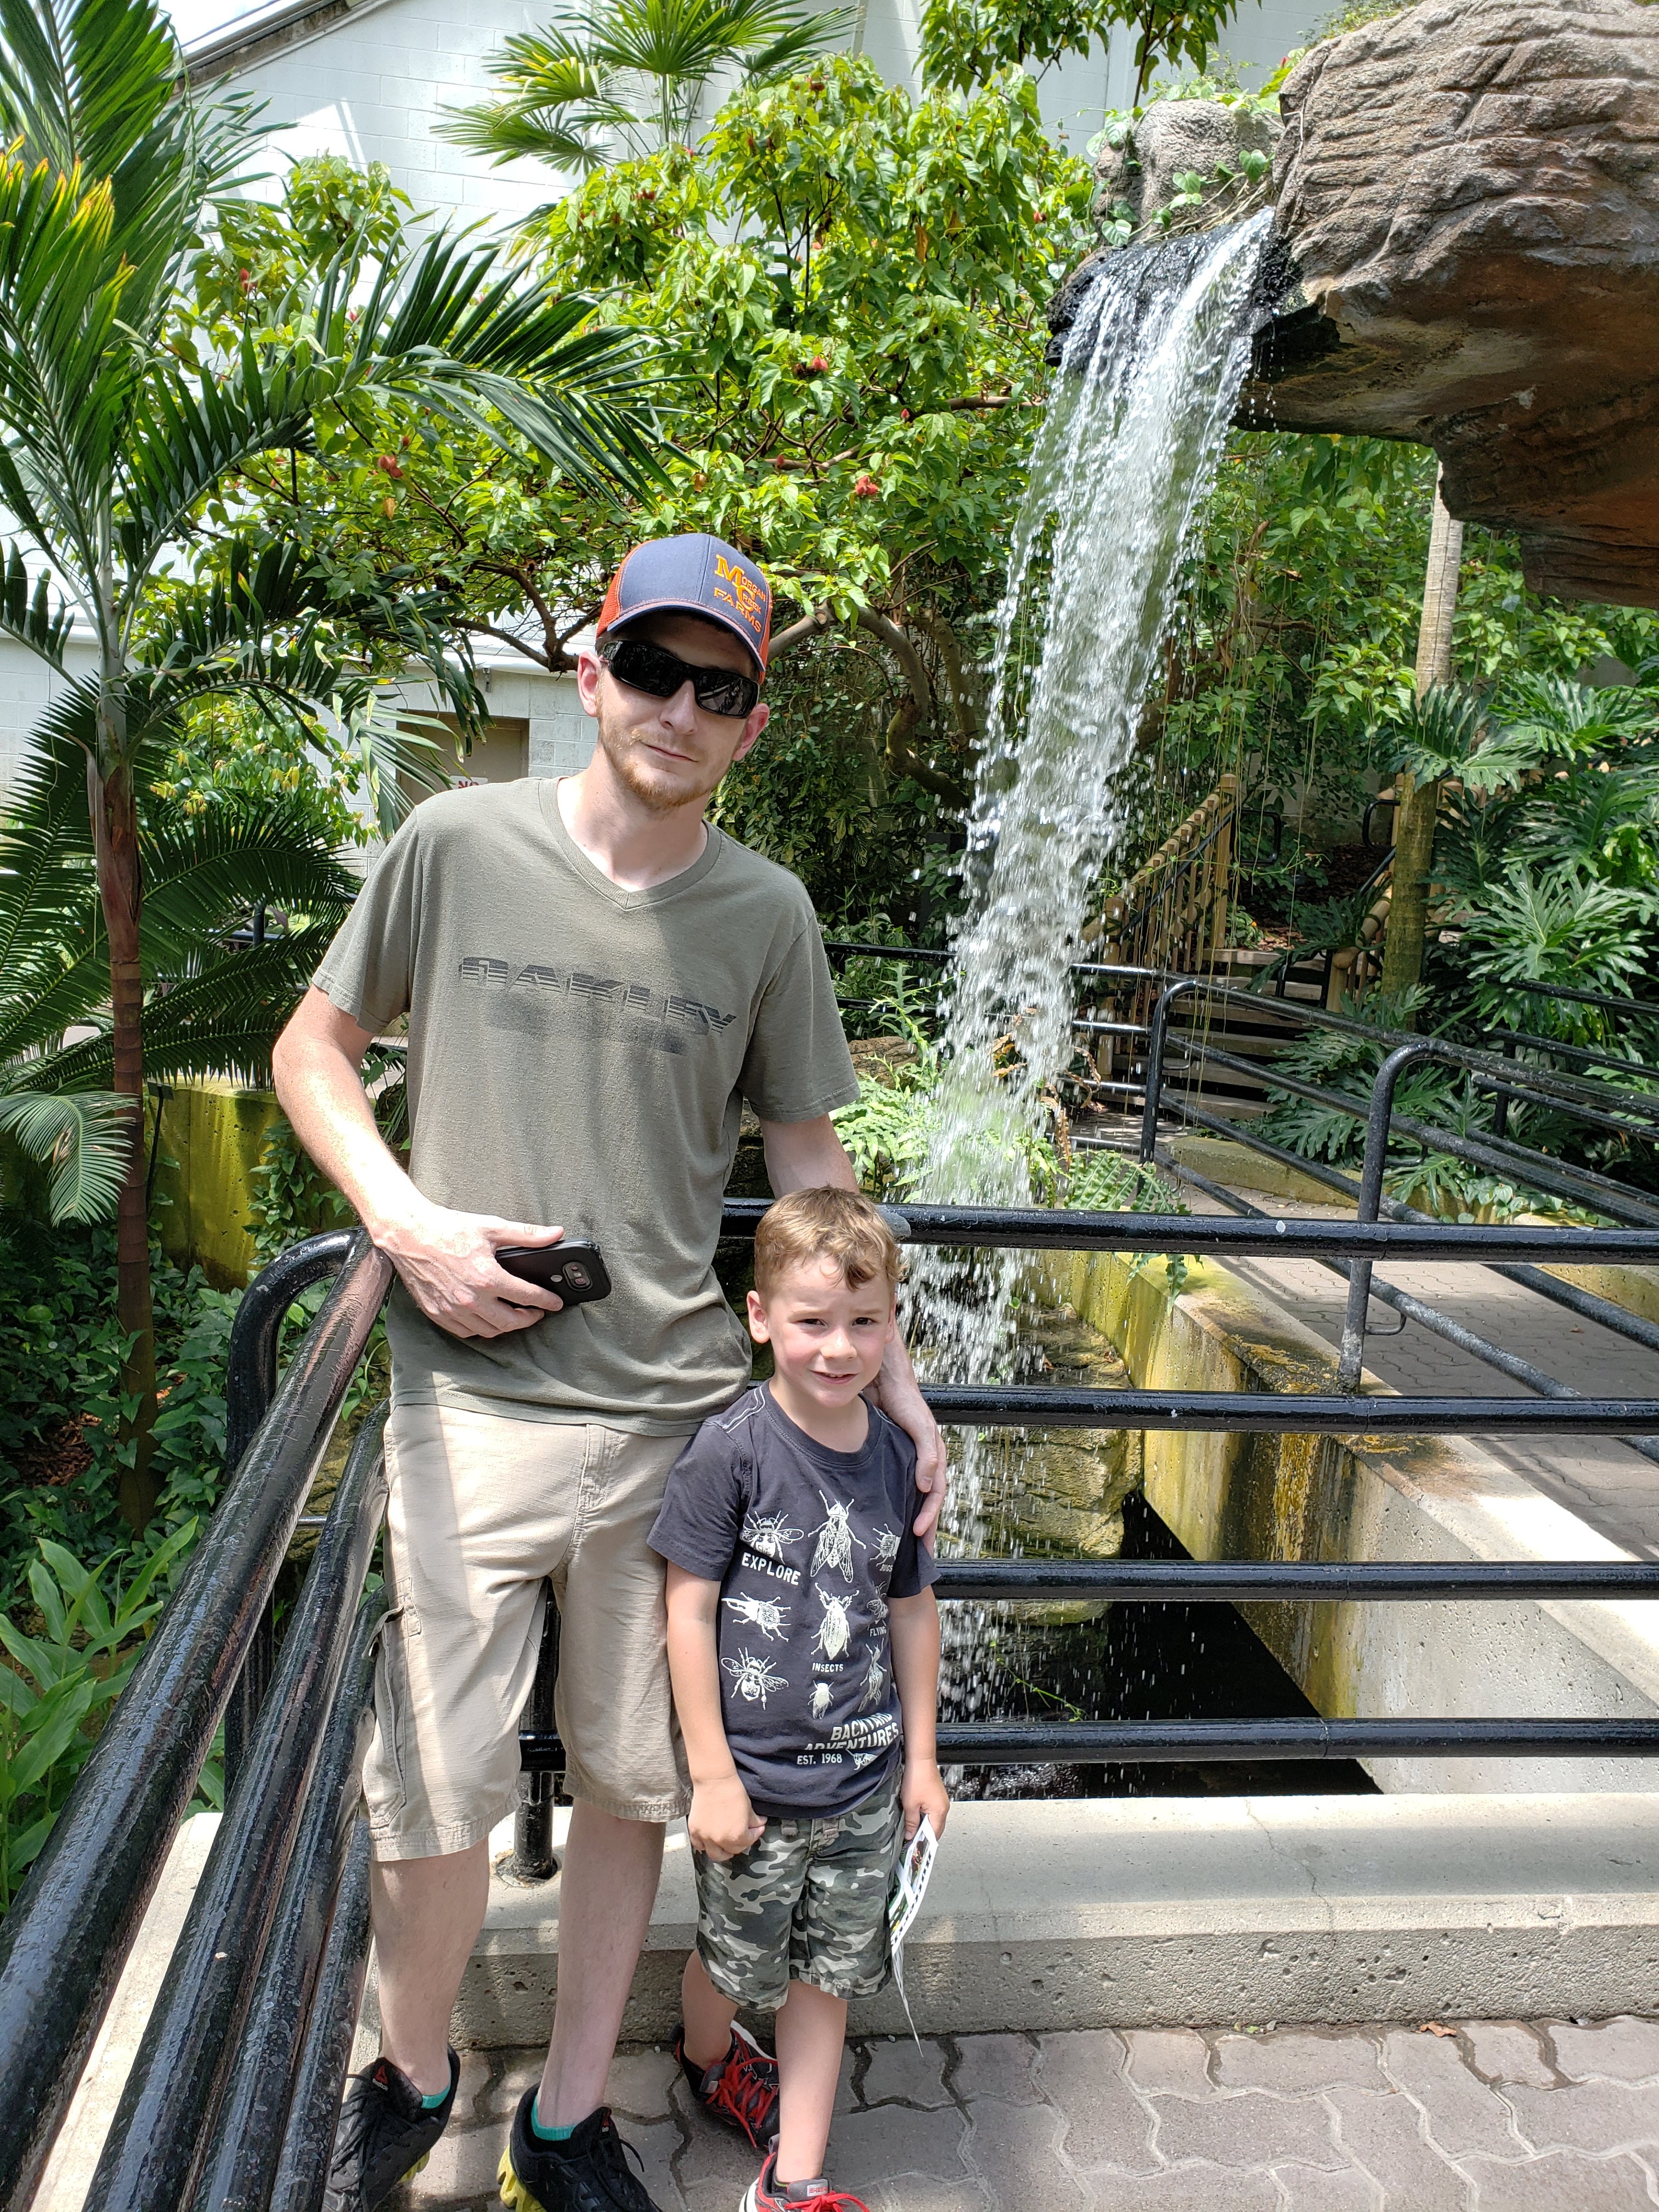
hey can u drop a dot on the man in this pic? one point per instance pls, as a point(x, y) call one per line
point(595, 979)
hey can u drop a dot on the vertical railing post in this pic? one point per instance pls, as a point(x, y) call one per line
point(1156, 1048)
point(1223, 867)
point(1500, 1119)
point(532, 1824)
point(1351, 1359)
point(250, 1386)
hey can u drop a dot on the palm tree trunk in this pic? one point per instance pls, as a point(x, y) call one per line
point(114, 809)
point(1414, 819)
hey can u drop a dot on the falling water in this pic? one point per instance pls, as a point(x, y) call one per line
point(1150, 376)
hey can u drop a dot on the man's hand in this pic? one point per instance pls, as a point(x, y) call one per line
point(923, 1791)
point(722, 1820)
point(447, 1260)
point(899, 1395)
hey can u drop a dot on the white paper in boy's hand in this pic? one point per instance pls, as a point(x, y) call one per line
point(909, 1887)
point(910, 1882)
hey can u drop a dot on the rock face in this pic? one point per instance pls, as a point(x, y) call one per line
point(1470, 193)
point(1177, 137)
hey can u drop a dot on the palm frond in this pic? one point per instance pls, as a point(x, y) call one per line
point(202, 871)
point(84, 1137)
point(222, 1020)
point(454, 332)
point(45, 850)
point(28, 615)
point(189, 434)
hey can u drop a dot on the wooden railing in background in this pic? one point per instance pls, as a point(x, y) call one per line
point(1173, 913)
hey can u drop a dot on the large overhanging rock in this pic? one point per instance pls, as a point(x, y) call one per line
point(1470, 192)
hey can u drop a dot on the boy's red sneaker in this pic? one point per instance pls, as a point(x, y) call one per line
point(741, 2091)
point(762, 2195)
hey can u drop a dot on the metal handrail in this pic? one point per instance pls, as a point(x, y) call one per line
point(265, 1977)
point(65, 1941)
point(184, 2062)
point(1063, 1228)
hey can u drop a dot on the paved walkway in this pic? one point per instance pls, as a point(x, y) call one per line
point(1599, 1478)
point(1495, 2116)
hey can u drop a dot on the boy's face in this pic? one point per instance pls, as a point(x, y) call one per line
point(827, 1338)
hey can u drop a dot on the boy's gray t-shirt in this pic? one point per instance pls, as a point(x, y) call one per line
point(578, 1055)
point(810, 1547)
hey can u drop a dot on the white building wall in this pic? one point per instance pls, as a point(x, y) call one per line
point(371, 86)
point(27, 688)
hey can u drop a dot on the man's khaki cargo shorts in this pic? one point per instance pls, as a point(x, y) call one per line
point(482, 1508)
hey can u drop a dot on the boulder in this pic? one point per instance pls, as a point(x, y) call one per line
point(1175, 138)
point(1469, 192)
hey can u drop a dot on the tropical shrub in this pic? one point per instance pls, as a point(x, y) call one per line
point(58, 1682)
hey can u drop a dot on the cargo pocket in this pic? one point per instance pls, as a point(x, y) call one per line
point(385, 1774)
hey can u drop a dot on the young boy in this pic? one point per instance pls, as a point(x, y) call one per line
point(803, 1641)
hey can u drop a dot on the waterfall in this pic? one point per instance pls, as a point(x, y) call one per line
point(1148, 381)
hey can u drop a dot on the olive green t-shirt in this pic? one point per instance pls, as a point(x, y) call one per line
point(579, 1054)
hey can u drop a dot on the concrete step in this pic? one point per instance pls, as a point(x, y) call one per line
point(1149, 1912)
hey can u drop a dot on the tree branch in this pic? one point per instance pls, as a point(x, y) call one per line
point(810, 625)
point(903, 651)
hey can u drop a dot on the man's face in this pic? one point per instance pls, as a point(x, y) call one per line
point(671, 753)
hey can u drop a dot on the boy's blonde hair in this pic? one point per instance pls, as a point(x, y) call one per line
point(840, 1225)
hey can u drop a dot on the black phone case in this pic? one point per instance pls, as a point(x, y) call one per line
point(573, 1272)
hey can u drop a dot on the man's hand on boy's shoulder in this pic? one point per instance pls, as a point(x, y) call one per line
point(721, 1822)
point(899, 1395)
point(923, 1791)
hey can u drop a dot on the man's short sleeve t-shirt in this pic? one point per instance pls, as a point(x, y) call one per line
point(809, 1546)
point(579, 1055)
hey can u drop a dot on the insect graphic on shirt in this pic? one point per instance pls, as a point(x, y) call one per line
point(887, 1544)
point(822, 1694)
point(836, 1540)
point(751, 1671)
point(833, 1632)
point(875, 1681)
point(768, 1534)
point(763, 1612)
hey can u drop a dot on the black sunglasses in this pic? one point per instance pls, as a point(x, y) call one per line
point(660, 674)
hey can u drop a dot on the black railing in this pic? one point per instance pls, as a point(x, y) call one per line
point(65, 1941)
point(231, 2098)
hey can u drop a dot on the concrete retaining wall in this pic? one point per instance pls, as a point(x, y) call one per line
point(1138, 1913)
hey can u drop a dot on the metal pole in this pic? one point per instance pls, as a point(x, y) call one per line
point(314, 2109)
point(1099, 1743)
point(1352, 1358)
point(532, 1824)
point(1155, 1054)
point(1255, 1582)
point(149, 2157)
point(250, 1386)
point(1270, 1412)
point(65, 1939)
point(246, 2145)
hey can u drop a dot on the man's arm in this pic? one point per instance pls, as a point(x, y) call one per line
point(722, 1820)
point(808, 1155)
point(447, 1259)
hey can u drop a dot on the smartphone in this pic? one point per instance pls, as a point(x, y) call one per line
point(571, 1269)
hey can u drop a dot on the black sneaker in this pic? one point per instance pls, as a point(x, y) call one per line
point(588, 2171)
point(385, 2134)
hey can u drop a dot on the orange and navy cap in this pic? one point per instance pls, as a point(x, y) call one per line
point(692, 574)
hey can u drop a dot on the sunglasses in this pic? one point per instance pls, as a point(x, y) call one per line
point(660, 674)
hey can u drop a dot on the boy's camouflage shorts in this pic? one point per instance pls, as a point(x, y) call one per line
point(807, 1903)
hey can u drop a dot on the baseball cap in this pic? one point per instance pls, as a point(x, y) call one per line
point(692, 574)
